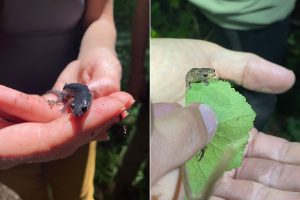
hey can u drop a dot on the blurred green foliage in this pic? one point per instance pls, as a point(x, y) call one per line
point(181, 19)
point(293, 127)
point(177, 18)
point(286, 121)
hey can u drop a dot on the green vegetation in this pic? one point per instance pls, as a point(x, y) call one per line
point(235, 119)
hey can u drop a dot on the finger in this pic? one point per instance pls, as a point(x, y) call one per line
point(37, 142)
point(274, 148)
point(103, 73)
point(216, 198)
point(102, 137)
point(27, 107)
point(169, 187)
point(249, 190)
point(4, 124)
point(162, 109)
point(176, 137)
point(124, 97)
point(252, 72)
point(9, 118)
point(270, 173)
point(69, 75)
point(103, 113)
point(100, 133)
point(103, 86)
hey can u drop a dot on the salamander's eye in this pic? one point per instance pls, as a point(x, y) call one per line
point(72, 105)
point(84, 108)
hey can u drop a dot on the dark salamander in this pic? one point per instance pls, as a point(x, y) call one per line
point(80, 97)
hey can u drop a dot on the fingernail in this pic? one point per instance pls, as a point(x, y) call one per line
point(124, 114)
point(209, 119)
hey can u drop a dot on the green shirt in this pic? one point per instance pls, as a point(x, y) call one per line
point(245, 14)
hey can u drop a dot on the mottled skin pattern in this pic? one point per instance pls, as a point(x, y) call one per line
point(196, 75)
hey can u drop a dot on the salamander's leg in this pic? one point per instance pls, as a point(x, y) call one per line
point(201, 154)
point(59, 94)
point(59, 99)
point(54, 91)
point(205, 82)
point(66, 105)
point(188, 85)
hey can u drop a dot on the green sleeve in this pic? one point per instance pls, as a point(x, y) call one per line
point(245, 14)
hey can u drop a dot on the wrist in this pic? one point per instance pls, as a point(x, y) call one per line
point(100, 34)
point(99, 50)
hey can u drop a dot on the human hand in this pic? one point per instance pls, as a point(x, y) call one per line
point(100, 69)
point(33, 131)
point(270, 171)
point(266, 173)
point(177, 134)
point(171, 59)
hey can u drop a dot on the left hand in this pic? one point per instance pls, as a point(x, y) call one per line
point(100, 69)
point(171, 59)
point(270, 171)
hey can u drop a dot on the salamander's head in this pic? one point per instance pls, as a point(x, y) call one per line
point(78, 109)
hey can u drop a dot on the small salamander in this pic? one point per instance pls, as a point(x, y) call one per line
point(196, 75)
point(78, 96)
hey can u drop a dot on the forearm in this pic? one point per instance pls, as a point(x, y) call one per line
point(101, 33)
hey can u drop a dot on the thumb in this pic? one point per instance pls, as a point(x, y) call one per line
point(177, 136)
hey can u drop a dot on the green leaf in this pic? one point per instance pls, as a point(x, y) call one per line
point(235, 119)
